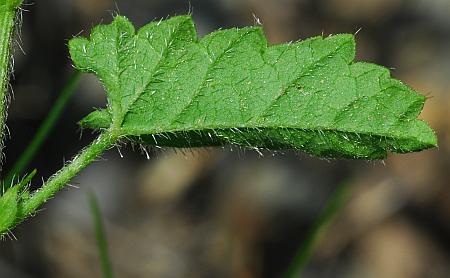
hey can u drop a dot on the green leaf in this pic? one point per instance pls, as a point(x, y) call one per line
point(9, 203)
point(26, 180)
point(10, 4)
point(97, 120)
point(166, 87)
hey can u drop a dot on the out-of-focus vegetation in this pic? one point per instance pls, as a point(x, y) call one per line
point(230, 213)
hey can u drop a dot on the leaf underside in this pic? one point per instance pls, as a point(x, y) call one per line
point(167, 87)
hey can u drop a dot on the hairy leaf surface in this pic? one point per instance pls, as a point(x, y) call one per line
point(8, 208)
point(10, 4)
point(167, 87)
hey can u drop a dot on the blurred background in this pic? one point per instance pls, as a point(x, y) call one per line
point(233, 213)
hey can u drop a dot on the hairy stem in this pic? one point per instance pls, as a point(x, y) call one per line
point(8, 11)
point(105, 141)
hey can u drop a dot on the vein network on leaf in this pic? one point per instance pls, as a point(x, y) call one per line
point(167, 87)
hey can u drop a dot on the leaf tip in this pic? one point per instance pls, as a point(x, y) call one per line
point(428, 137)
point(99, 119)
point(78, 48)
point(348, 43)
point(123, 24)
point(8, 207)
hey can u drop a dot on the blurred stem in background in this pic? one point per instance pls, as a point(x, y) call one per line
point(43, 132)
point(100, 235)
point(332, 207)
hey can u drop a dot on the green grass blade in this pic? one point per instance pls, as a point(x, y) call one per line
point(326, 217)
point(43, 131)
point(100, 235)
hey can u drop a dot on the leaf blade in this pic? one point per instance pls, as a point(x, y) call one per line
point(231, 87)
point(9, 203)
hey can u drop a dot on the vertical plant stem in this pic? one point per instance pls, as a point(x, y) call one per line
point(102, 243)
point(105, 141)
point(8, 12)
point(326, 217)
point(43, 131)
